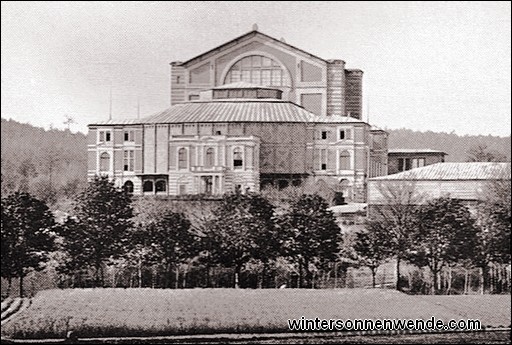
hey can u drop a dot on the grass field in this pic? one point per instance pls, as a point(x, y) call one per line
point(145, 312)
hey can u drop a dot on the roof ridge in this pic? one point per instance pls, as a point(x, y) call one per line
point(248, 34)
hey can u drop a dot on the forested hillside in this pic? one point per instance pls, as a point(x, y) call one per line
point(456, 146)
point(51, 164)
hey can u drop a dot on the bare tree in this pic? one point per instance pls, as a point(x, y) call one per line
point(481, 153)
point(395, 211)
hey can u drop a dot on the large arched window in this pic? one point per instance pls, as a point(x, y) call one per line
point(209, 158)
point(182, 158)
point(238, 161)
point(259, 70)
point(128, 186)
point(344, 160)
point(104, 162)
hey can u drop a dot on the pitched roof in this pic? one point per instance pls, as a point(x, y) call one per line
point(243, 37)
point(415, 151)
point(227, 110)
point(453, 171)
point(336, 119)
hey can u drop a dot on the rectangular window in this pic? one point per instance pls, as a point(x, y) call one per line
point(256, 76)
point(265, 77)
point(401, 164)
point(418, 162)
point(324, 135)
point(193, 97)
point(276, 77)
point(129, 135)
point(235, 76)
point(407, 164)
point(104, 136)
point(323, 159)
point(246, 76)
point(128, 161)
point(342, 134)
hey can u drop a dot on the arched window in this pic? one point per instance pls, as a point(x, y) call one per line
point(209, 158)
point(104, 162)
point(259, 70)
point(344, 160)
point(160, 186)
point(147, 186)
point(182, 158)
point(128, 186)
point(238, 161)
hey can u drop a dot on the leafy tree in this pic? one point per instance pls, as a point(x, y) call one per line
point(397, 215)
point(313, 234)
point(242, 229)
point(98, 230)
point(445, 234)
point(27, 236)
point(170, 241)
point(372, 247)
point(480, 153)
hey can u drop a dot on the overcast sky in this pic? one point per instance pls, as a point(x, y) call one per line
point(440, 66)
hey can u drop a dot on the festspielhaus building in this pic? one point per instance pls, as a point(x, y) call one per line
point(250, 114)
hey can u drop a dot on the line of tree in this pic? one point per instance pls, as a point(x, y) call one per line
point(438, 234)
point(147, 244)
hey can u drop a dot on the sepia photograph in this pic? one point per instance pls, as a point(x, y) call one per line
point(256, 172)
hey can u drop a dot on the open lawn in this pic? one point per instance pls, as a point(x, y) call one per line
point(145, 312)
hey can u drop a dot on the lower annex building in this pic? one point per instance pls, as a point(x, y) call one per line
point(252, 113)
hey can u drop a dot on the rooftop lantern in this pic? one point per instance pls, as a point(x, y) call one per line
point(246, 91)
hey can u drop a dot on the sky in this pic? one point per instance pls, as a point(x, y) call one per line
point(428, 66)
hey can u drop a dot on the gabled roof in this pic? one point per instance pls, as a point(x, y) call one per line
point(453, 171)
point(244, 37)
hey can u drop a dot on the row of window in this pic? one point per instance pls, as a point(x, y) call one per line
point(129, 135)
point(344, 160)
point(105, 136)
point(128, 161)
point(343, 134)
point(209, 161)
point(410, 163)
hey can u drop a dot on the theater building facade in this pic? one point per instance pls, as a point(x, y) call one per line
point(252, 113)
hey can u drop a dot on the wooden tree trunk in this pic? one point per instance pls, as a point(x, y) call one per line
point(22, 292)
point(398, 273)
point(237, 275)
point(139, 272)
point(335, 275)
point(449, 286)
point(466, 281)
